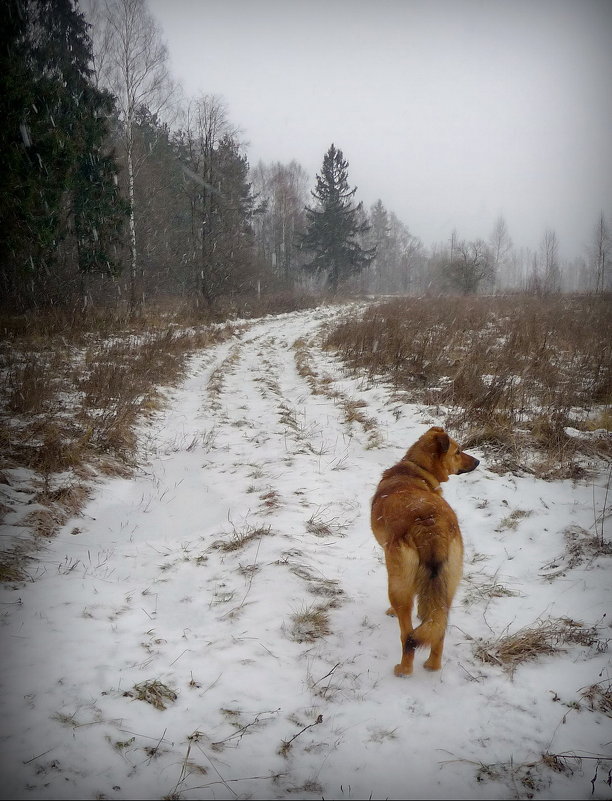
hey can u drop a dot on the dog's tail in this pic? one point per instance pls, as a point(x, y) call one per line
point(435, 597)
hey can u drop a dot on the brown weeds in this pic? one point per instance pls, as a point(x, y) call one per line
point(509, 373)
point(599, 697)
point(240, 537)
point(310, 623)
point(547, 637)
point(581, 548)
point(72, 392)
point(154, 692)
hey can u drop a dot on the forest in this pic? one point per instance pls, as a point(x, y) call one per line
point(119, 192)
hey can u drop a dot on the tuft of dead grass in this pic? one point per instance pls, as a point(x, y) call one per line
point(599, 696)
point(309, 623)
point(323, 524)
point(12, 568)
point(240, 537)
point(546, 637)
point(154, 692)
point(528, 777)
point(479, 588)
point(581, 548)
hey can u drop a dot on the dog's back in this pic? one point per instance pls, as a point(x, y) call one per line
point(420, 535)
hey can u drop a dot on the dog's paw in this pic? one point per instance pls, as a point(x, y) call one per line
point(391, 612)
point(429, 665)
point(400, 670)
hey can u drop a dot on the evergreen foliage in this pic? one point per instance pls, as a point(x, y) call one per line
point(221, 242)
point(229, 254)
point(162, 216)
point(335, 224)
point(61, 210)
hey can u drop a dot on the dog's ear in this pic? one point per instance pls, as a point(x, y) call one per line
point(442, 441)
point(436, 440)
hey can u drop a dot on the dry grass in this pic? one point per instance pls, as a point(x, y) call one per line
point(323, 524)
point(527, 778)
point(511, 522)
point(153, 692)
point(238, 538)
point(12, 567)
point(599, 697)
point(547, 637)
point(304, 366)
point(270, 501)
point(58, 417)
point(509, 373)
point(483, 588)
point(581, 548)
point(324, 384)
point(309, 623)
point(72, 391)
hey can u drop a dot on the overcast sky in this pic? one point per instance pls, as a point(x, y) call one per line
point(451, 112)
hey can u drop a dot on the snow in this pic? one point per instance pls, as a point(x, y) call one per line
point(251, 506)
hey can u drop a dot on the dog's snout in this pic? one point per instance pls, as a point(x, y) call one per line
point(469, 463)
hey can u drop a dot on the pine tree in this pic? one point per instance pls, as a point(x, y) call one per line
point(334, 225)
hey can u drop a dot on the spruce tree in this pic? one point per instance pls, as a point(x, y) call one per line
point(65, 213)
point(228, 259)
point(334, 225)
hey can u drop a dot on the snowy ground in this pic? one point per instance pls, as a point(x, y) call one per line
point(237, 570)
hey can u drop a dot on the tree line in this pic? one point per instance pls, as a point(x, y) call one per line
point(118, 190)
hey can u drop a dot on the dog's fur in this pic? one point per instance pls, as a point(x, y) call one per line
point(420, 535)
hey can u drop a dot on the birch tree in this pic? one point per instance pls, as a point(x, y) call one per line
point(283, 192)
point(133, 63)
point(549, 259)
point(600, 254)
point(501, 247)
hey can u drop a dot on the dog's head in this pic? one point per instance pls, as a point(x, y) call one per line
point(440, 455)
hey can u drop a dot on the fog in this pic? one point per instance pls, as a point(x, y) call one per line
point(451, 113)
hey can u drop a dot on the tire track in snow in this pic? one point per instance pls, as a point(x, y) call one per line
point(284, 450)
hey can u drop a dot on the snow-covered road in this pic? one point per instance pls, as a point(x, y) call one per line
point(235, 581)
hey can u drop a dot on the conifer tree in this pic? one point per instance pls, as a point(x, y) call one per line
point(65, 213)
point(334, 224)
point(229, 255)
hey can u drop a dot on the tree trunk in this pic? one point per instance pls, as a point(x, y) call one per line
point(133, 251)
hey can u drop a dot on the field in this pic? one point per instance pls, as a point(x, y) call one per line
point(528, 378)
point(192, 601)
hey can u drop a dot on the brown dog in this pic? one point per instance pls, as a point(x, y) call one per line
point(420, 535)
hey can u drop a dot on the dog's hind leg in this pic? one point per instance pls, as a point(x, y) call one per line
point(435, 603)
point(434, 661)
point(402, 564)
